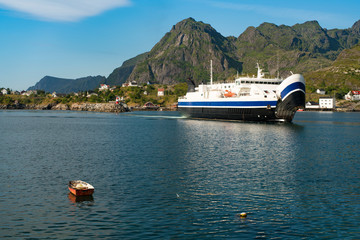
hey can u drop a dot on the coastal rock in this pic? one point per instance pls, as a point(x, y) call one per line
point(60, 106)
point(99, 107)
point(94, 107)
point(13, 106)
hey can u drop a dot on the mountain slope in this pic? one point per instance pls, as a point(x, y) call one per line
point(185, 52)
point(344, 72)
point(63, 85)
point(121, 74)
point(187, 49)
point(299, 48)
point(347, 37)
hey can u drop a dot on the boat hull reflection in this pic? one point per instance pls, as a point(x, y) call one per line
point(78, 199)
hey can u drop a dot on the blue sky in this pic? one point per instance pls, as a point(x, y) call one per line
point(78, 38)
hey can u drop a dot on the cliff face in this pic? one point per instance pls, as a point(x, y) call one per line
point(121, 74)
point(186, 52)
point(347, 37)
point(299, 48)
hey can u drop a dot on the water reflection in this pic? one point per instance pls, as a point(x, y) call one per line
point(79, 199)
point(231, 167)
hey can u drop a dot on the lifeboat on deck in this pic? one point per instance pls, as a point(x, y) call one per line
point(229, 93)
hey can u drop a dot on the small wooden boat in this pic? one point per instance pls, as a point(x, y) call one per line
point(80, 188)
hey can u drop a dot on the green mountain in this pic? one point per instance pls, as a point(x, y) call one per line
point(185, 52)
point(187, 49)
point(63, 85)
point(300, 48)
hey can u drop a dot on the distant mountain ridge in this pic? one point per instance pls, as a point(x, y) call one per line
point(63, 85)
point(186, 50)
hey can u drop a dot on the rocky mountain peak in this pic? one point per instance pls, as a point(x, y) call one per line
point(356, 28)
point(190, 24)
point(185, 52)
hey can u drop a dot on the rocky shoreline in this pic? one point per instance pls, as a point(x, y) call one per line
point(122, 107)
point(93, 107)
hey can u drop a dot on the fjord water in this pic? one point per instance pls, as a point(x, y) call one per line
point(160, 176)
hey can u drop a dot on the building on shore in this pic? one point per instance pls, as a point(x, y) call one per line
point(311, 105)
point(327, 103)
point(150, 105)
point(320, 91)
point(324, 103)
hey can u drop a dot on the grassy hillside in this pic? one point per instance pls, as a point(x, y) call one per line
point(343, 74)
point(133, 96)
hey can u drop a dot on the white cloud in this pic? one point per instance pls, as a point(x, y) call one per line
point(62, 10)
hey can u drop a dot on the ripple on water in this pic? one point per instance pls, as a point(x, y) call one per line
point(177, 178)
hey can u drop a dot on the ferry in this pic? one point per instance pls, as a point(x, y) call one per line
point(247, 98)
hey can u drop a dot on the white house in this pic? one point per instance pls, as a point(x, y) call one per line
point(130, 84)
point(160, 92)
point(4, 91)
point(104, 87)
point(133, 84)
point(320, 91)
point(28, 93)
point(352, 95)
point(327, 102)
point(311, 105)
point(91, 94)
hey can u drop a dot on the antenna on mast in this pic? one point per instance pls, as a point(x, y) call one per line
point(211, 73)
point(277, 63)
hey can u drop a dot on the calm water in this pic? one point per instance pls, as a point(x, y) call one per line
point(159, 176)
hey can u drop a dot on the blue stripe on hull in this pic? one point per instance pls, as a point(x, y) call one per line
point(292, 87)
point(228, 104)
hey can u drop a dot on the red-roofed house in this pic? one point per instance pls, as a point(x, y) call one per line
point(352, 95)
point(104, 87)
